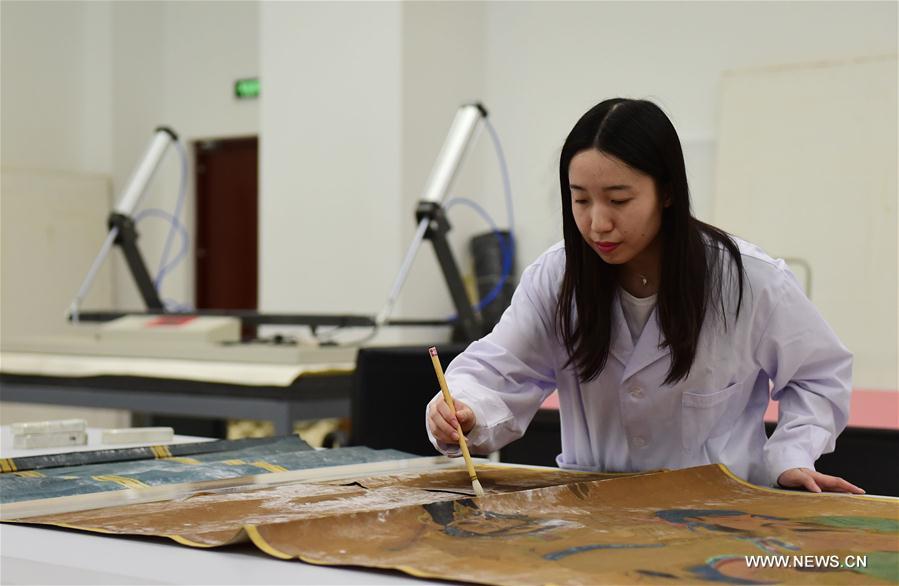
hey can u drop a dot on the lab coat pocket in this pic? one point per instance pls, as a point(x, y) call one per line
point(702, 415)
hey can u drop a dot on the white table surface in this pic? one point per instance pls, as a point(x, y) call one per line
point(52, 555)
point(38, 555)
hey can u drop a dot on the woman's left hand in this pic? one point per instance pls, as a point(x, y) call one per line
point(813, 481)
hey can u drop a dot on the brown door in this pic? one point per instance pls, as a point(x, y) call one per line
point(227, 223)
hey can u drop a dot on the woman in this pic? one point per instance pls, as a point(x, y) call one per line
point(663, 334)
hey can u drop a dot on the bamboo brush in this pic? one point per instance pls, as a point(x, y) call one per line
point(449, 401)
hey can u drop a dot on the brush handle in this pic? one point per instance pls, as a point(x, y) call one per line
point(438, 369)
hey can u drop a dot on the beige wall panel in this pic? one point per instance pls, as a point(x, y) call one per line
point(807, 167)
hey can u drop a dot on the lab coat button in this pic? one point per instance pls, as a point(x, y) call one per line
point(636, 392)
point(639, 442)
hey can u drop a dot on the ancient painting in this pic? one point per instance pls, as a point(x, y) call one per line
point(698, 525)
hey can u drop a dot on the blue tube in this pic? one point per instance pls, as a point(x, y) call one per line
point(164, 266)
point(505, 246)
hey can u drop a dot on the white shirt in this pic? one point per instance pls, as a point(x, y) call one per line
point(627, 419)
point(636, 312)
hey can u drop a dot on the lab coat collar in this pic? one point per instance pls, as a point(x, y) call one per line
point(648, 349)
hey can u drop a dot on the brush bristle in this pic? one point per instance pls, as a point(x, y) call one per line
point(477, 487)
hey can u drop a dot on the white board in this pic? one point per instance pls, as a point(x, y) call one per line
point(52, 224)
point(806, 168)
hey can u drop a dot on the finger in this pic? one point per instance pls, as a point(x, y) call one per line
point(465, 417)
point(447, 413)
point(436, 423)
point(790, 478)
point(444, 434)
point(433, 415)
point(442, 430)
point(837, 484)
point(466, 423)
point(447, 433)
point(809, 483)
point(432, 408)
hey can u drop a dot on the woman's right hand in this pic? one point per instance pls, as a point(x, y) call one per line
point(442, 424)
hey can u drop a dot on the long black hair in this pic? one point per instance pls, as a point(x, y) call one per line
point(639, 134)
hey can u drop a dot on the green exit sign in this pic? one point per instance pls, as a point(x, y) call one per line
point(246, 89)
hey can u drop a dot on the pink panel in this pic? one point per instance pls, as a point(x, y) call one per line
point(869, 408)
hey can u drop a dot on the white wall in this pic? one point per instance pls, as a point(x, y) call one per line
point(175, 64)
point(548, 62)
point(349, 141)
point(55, 90)
point(330, 155)
point(56, 153)
point(442, 68)
point(84, 85)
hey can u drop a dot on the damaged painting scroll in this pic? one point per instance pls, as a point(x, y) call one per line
point(537, 526)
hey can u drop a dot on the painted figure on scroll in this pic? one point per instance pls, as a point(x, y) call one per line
point(665, 336)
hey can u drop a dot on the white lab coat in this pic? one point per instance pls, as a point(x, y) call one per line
point(627, 419)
